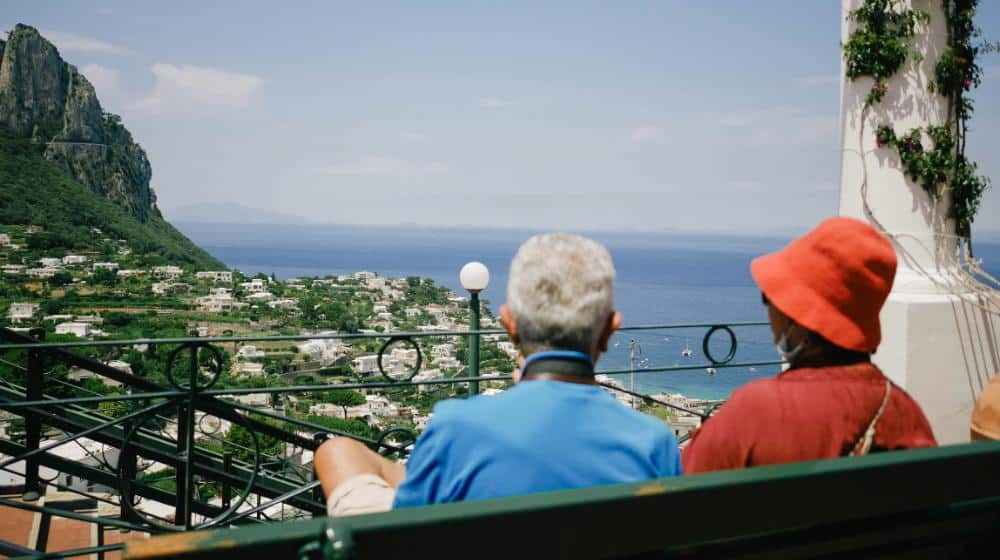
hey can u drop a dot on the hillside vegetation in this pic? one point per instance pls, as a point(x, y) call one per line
point(36, 191)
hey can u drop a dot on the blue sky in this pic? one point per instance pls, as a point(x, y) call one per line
point(673, 115)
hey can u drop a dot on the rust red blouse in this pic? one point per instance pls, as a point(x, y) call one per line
point(805, 414)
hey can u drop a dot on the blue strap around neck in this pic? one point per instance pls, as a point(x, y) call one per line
point(558, 355)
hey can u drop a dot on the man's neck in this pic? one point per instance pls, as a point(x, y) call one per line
point(560, 365)
point(578, 379)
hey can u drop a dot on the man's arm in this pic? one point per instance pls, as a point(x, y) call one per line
point(341, 458)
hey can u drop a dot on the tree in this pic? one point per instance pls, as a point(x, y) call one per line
point(105, 277)
point(354, 427)
point(343, 398)
point(240, 442)
point(60, 278)
point(113, 409)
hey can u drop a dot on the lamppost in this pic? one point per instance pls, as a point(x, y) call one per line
point(474, 277)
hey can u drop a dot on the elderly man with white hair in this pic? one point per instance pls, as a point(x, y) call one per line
point(555, 429)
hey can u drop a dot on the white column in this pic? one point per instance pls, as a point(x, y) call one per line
point(937, 343)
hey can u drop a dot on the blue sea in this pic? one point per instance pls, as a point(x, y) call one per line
point(663, 279)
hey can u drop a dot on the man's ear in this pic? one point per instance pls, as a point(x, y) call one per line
point(614, 323)
point(507, 320)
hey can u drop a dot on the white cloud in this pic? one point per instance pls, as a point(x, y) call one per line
point(376, 165)
point(71, 42)
point(493, 103)
point(104, 80)
point(826, 80)
point(183, 87)
point(646, 134)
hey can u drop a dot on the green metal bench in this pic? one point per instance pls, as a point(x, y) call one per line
point(926, 503)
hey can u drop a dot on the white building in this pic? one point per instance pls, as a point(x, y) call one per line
point(13, 269)
point(215, 303)
point(509, 348)
point(169, 271)
point(254, 286)
point(105, 266)
point(259, 400)
point(121, 365)
point(79, 374)
point(215, 275)
point(50, 262)
point(428, 375)
point(46, 272)
point(249, 352)
point(324, 350)
point(81, 330)
point(327, 409)
point(378, 404)
point(250, 369)
point(282, 304)
point(365, 364)
point(447, 362)
point(23, 312)
point(160, 288)
point(442, 350)
point(4, 240)
point(58, 317)
point(129, 273)
point(74, 259)
point(260, 297)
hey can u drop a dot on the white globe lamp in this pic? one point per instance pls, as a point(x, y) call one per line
point(474, 277)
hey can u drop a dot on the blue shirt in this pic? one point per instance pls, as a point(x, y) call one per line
point(538, 436)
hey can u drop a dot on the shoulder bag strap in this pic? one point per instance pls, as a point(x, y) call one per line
point(864, 443)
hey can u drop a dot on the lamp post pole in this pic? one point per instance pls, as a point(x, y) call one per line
point(474, 342)
point(474, 277)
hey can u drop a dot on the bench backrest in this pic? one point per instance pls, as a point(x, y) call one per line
point(942, 502)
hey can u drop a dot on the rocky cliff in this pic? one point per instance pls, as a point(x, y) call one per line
point(47, 100)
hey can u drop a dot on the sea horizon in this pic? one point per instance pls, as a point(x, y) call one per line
point(662, 279)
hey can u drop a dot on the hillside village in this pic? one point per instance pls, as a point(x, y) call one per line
point(103, 290)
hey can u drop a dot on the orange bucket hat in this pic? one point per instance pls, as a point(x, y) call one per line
point(986, 415)
point(832, 281)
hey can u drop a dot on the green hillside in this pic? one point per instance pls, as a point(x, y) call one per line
point(36, 191)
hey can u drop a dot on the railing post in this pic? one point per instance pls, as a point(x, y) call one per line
point(183, 497)
point(227, 467)
point(186, 448)
point(128, 469)
point(474, 342)
point(33, 423)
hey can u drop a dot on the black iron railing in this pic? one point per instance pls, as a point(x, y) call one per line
point(157, 446)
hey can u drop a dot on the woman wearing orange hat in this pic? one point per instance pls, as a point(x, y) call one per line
point(823, 294)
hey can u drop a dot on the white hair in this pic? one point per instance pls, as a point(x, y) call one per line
point(560, 292)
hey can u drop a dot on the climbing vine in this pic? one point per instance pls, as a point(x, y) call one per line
point(933, 157)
